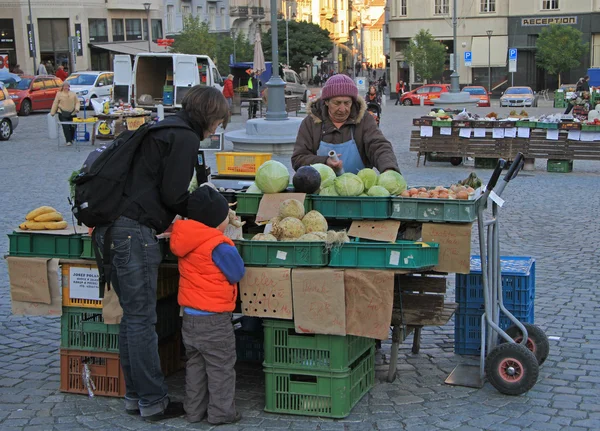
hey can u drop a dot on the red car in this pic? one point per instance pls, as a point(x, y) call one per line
point(427, 92)
point(480, 93)
point(33, 93)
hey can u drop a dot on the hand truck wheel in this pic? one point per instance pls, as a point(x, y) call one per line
point(512, 369)
point(537, 340)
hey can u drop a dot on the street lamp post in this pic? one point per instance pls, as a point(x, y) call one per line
point(33, 50)
point(147, 7)
point(287, 36)
point(276, 100)
point(489, 35)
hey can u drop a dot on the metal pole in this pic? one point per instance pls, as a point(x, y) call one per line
point(147, 7)
point(33, 50)
point(276, 101)
point(489, 35)
point(233, 33)
point(454, 85)
point(287, 39)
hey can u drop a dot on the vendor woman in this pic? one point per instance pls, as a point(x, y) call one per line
point(337, 122)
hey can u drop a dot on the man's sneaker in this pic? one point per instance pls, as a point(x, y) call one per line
point(237, 418)
point(69, 144)
point(173, 410)
point(132, 412)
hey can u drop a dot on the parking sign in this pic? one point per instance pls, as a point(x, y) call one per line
point(468, 58)
point(512, 54)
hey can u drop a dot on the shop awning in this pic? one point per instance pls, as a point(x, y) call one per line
point(498, 48)
point(131, 48)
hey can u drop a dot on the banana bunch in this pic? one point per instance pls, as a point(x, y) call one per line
point(43, 218)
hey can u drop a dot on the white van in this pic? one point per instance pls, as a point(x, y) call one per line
point(145, 82)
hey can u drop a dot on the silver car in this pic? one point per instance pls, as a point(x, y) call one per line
point(8, 114)
point(294, 86)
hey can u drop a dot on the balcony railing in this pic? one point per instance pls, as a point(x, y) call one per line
point(257, 11)
point(238, 11)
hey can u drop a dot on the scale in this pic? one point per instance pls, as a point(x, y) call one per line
point(213, 143)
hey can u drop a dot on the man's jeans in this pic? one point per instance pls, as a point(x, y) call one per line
point(136, 257)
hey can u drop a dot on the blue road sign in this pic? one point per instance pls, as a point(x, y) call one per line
point(468, 56)
point(512, 54)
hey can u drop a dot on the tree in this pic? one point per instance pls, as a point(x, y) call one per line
point(306, 41)
point(196, 39)
point(560, 48)
point(426, 55)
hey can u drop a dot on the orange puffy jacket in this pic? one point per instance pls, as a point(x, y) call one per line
point(202, 285)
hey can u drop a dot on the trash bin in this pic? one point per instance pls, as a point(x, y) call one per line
point(236, 105)
point(52, 127)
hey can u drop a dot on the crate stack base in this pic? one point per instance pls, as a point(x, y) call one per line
point(518, 295)
point(315, 374)
point(560, 166)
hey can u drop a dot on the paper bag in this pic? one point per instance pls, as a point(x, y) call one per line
point(319, 304)
point(111, 309)
point(455, 245)
point(269, 204)
point(267, 292)
point(38, 309)
point(369, 302)
point(29, 279)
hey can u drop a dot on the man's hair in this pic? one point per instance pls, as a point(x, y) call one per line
point(586, 77)
point(205, 105)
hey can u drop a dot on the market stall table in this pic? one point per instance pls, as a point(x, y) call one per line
point(112, 125)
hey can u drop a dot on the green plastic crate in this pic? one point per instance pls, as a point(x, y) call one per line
point(435, 210)
point(485, 163)
point(547, 125)
point(88, 250)
point(84, 328)
point(440, 123)
point(284, 347)
point(560, 166)
point(282, 254)
point(247, 203)
point(384, 255)
point(45, 245)
point(529, 124)
point(590, 128)
point(435, 157)
point(352, 207)
point(323, 394)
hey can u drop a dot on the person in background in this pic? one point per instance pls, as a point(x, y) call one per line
point(61, 74)
point(228, 91)
point(66, 104)
point(339, 122)
point(581, 87)
point(210, 268)
point(253, 92)
point(317, 79)
point(49, 68)
point(583, 84)
point(41, 70)
point(372, 96)
point(17, 69)
point(400, 90)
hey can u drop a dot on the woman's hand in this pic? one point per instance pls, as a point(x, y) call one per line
point(334, 164)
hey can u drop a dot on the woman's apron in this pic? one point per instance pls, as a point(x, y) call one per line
point(352, 162)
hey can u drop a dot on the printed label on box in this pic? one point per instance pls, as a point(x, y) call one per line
point(281, 255)
point(83, 283)
point(394, 258)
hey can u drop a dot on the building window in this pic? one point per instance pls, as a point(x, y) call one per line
point(402, 7)
point(212, 15)
point(199, 13)
point(118, 31)
point(133, 29)
point(98, 30)
point(549, 4)
point(186, 13)
point(170, 18)
point(441, 7)
point(488, 6)
point(223, 24)
point(157, 31)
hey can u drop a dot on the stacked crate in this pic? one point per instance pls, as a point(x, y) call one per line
point(315, 374)
point(89, 345)
point(518, 295)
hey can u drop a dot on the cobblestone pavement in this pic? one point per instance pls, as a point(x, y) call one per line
point(553, 217)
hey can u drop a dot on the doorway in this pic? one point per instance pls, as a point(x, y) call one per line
point(54, 42)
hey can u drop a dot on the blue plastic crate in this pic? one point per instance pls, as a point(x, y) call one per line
point(518, 283)
point(467, 328)
point(249, 346)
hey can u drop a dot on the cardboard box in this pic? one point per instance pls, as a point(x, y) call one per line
point(267, 292)
point(455, 245)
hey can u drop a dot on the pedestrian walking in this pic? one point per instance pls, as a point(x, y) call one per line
point(17, 70)
point(581, 87)
point(66, 104)
point(317, 79)
point(228, 90)
point(49, 68)
point(253, 92)
point(41, 70)
point(156, 191)
point(400, 90)
point(61, 73)
point(210, 268)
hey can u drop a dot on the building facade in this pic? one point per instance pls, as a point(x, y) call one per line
point(214, 13)
point(102, 28)
point(486, 29)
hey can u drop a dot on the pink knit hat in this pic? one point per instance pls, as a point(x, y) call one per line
point(339, 85)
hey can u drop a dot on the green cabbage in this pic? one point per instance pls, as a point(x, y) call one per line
point(327, 174)
point(348, 185)
point(272, 177)
point(368, 177)
point(393, 182)
point(328, 191)
point(378, 191)
point(253, 189)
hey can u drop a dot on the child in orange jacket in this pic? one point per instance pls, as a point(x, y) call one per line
point(210, 268)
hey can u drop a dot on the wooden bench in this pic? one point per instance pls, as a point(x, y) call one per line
point(292, 104)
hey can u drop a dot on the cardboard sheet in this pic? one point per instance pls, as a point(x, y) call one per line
point(319, 304)
point(386, 230)
point(20, 308)
point(369, 302)
point(267, 292)
point(29, 279)
point(69, 230)
point(455, 245)
point(269, 204)
point(111, 309)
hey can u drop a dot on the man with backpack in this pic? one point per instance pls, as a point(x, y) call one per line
point(156, 164)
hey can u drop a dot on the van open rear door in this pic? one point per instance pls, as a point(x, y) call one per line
point(185, 75)
point(123, 78)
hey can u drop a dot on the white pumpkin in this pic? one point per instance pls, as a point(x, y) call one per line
point(592, 115)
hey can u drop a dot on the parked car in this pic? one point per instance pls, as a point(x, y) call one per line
point(477, 92)
point(8, 114)
point(91, 85)
point(428, 92)
point(33, 93)
point(519, 96)
point(294, 85)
